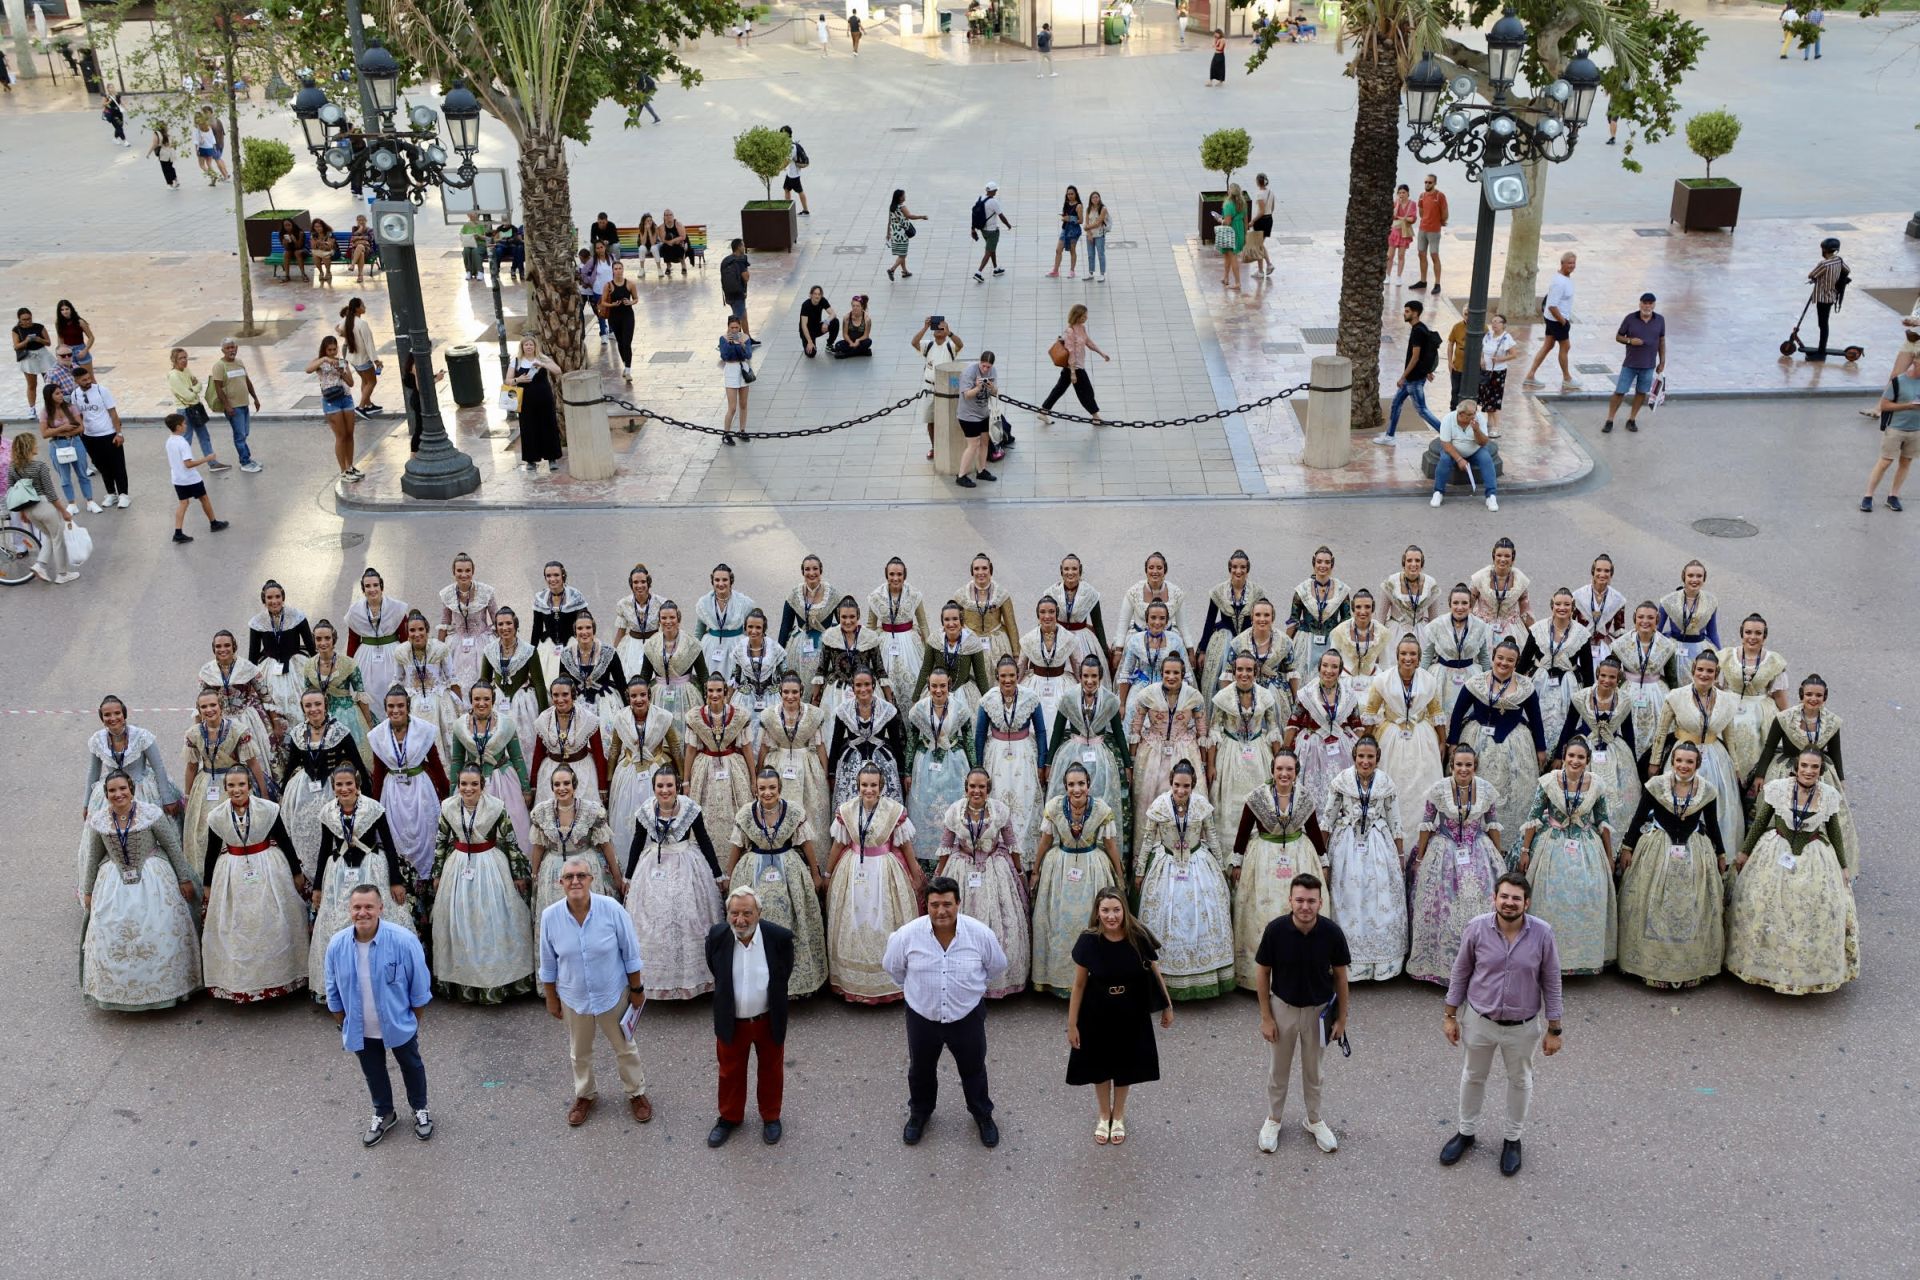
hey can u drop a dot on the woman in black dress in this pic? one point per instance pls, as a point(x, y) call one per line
point(1117, 988)
point(616, 304)
point(536, 375)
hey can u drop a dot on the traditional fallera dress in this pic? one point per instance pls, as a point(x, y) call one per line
point(1367, 891)
point(721, 628)
point(637, 754)
point(858, 741)
point(1012, 739)
point(1080, 615)
point(1144, 652)
point(373, 640)
point(1502, 725)
point(768, 860)
point(1184, 898)
point(1364, 653)
point(1162, 737)
point(306, 783)
point(640, 619)
point(940, 751)
point(495, 751)
point(1692, 625)
point(1502, 604)
point(1672, 895)
point(554, 842)
point(1754, 685)
point(965, 662)
point(468, 625)
point(1278, 837)
point(1791, 923)
point(721, 780)
point(991, 619)
point(1228, 614)
point(1559, 664)
point(1684, 719)
point(1610, 746)
point(139, 757)
point(1604, 617)
point(842, 657)
point(346, 695)
point(1095, 737)
point(1453, 882)
point(982, 854)
point(1453, 651)
point(1273, 659)
point(1047, 667)
point(353, 851)
point(139, 950)
point(1407, 722)
point(796, 750)
point(1313, 611)
point(519, 689)
point(1075, 869)
point(1326, 726)
point(601, 678)
point(755, 681)
point(553, 627)
point(428, 679)
point(803, 621)
point(410, 780)
point(673, 896)
point(575, 742)
point(869, 895)
point(1133, 608)
point(678, 676)
point(1651, 674)
point(243, 697)
point(214, 751)
point(1793, 731)
point(1571, 874)
point(902, 623)
point(1405, 610)
point(276, 644)
point(1243, 739)
point(482, 929)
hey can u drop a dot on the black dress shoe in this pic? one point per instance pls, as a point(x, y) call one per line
point(1456, 1147)
point(721, 1131)
point(770, 1132)
point(989, 1131)
point(915, 1127)
point(1510, 1157)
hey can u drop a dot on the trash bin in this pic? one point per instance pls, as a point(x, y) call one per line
point(1113, 26)
point(946, 22)
point(463, 375)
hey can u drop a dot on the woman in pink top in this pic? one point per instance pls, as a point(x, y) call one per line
point(1074, 373)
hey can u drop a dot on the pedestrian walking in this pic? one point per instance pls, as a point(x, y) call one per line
point(1181, 19)
point(538, 377)
point(590, 973)
point(102, 435)
point(1899, 438)
point(616, 303)
point(820, 34)
point(1043, 45)
point(1095, 223)
point(113, 114)
point(1400, 231)
point(797, 157)
point(377, 984)
point(1260, 228)
point(1117, 988)
point(1497, 350)
point(1644, 334)
point(986, 211)
point(1506, 981)
point(61, 428)
point(941, 346)
point(1300, 978)
point(1217, 69)
point(1558, 314)
point(853, 31)
point(161, 148)
point(1432, 207)
point(1070, 229)
point(187, 487)
point(1817, 19)
point(204, 150)
point(336, 403)
point(33, 495)
point(977, 389)
point(361, 353)
point(736, 371)
point(648, 88)
point(944, 962)
point(751, 961)
point(1230, 234)
point(900, 232)
point(1069, 354)
point(1829, 279)
point(1789, 15)
point(1463, 443)
point(736, 273)
point(230, 391)
point(592, 276)
point(1423, 358)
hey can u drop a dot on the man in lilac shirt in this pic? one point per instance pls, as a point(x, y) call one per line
point(1505, 978)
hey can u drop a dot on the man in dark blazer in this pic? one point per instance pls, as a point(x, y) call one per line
point(751, 962)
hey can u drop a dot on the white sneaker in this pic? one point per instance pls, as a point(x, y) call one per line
point(1269, 1135)
point(1438, 498)
point(1493, 503)
point(65, 578)
point(1322, 1135)
point(93, 506)
point(1383, 438)
point(252, 468)
point(125, 501)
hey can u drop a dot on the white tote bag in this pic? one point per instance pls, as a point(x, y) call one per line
point(79, 545)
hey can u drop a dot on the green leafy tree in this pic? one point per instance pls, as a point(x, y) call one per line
point(1225, 150)
point(264, 162)
point(763, 152)
point(1711, 134)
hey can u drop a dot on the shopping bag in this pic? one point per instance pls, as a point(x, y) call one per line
point(79, 545)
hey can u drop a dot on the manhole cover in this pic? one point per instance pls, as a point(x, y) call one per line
point(1725, 527)
point(334, 541)
point(1652, 232)
point(1319, 337)
point(1282, 348)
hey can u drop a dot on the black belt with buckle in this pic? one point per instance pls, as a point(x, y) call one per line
point(1508, 1022)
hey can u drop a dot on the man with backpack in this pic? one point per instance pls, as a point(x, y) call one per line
point(796, 161)
point(648, 87)
point(1829, 279)
point(985, 211)
point(735, 271)
point(1423, 357)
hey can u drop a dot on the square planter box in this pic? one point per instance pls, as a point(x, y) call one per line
point(770, 226)
point(262, 225)
point(1698, 208)
point(1211, 202)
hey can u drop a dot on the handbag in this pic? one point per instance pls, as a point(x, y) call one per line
point(23, 493)
point(510, 398)
point(1223, 237)
point(65, 454)
point(746, 373)
point(1058, 353)
point(196, 414)
point(601, 309)
point(79, 544)
point(911, 232)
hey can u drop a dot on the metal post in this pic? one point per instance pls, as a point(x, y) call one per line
point(438, 470)
point(1482, 270)
point(357, 33)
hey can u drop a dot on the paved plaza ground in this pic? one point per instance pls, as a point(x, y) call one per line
point(1723, 1132)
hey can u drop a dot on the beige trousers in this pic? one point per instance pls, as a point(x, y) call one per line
point(1516, 1047)
point(1298, 1027)
point(580, 1034)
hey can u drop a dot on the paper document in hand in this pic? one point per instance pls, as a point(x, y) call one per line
point(631, 1018)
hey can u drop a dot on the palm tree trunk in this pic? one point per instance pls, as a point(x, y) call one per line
point(247, 327)
point(552, 292)
point(1371, 163)
point(1519, 296)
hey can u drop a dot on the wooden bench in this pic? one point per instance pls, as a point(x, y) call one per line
point(342, 252)
point(696, 242)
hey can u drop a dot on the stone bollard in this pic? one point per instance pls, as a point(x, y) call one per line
point(1329, 413)
point(589, 439)
point(948, 443)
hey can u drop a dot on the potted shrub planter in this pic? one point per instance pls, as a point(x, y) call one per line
point(770, 226)
point(1705, 204)
point(262, 225)
point(1211, 202)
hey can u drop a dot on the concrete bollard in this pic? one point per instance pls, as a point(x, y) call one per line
point(948, 443)
point(1329, 413)
point(589, 438)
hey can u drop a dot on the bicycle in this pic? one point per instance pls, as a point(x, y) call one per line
point(19, 550)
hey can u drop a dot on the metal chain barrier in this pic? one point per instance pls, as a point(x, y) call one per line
point(1157, 423)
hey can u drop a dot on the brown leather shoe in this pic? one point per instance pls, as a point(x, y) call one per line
point(577, 1113)
point(642, 1109)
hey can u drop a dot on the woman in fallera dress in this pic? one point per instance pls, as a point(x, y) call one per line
point(121, 746)
point(1010, 730)
point(1183, 891)
point(1403, 706)
point(774, 855)
point(980, 849)
point(643, 738)
point(1690, 615)
point(242, 688)
point(673, 889)
point(1500, 596)
point(374, 624)
point(896, 610)
point(1319, 604)
point(215, 743)
point(1047, 655)
point(793, 743)
point(1080, 613)
point(1455, 645)
point(637, 618)
point(1146, 649)
point(1078, 856)
point(867, 733)
point(426, 672)
point(1272, 653)
point(337, 677)
point(480, 889)
point(873, 887)
point(958, 652)
point(254, 914)
point(940, 753)
point(1757, 677)
point(1703, 713)
point(555, 606)
point(754, 677)
point(719, 618)
point(1455, 862)
point(1603, 716)
point(1672, 878)
point(1566, 850)
point(512, 667)
point(719, 765)
point(1600, 607)
point(1229, 612)
point(675, 665)
point(1410, 599)
point(1278, 837)
point(356, 848)
point(1089, 730)
point(1366, 864)
point(1153, 588)
point(567, 734)
point(1362, 645)
point(466, 620)
point(1809, 726)
point(572, 824)
point(1166, 723)
point(139, 950)
point(1247, 729)
point(1498, 715)
point(805, 617)
point(1650, 667)
point(846, 651)
point(595, 669)
point(278, 637)
point(1324, 726)
point(987, 610)
point(1791, 922)
point(315, 747)
point(487, 739)
point(410, 779)
point(1557, 655)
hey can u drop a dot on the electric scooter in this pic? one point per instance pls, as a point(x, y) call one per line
point(1852, 352)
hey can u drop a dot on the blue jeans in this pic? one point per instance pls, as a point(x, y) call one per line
point(199, 433)
point(240, 420)
point(373, 1065)
point(1633, 381)
point(1416, 392)
point(1480, 460)
point(1096, 253)
point(71, 471)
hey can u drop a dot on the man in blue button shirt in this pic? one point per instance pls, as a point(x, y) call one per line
point(590, 971)
point(377, 983)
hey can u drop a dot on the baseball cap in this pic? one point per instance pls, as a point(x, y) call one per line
point(1647, 297)
point(993, 186)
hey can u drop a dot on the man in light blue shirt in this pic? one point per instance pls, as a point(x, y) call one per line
point(590, 971)
point(377, 983)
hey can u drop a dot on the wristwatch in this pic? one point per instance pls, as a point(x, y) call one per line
point(639, 991)
point(1555, 1031)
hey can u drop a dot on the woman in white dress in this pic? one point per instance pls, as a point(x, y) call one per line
point(1319, 604)
point(1325, 725)
point(940, 752)
point(1757, 677)
point(243, 691)
point(1229, 612)
point(1011, 732)
point(1153, 588)
point(793, 743)
point(719, 619)
point(120, 745)
point(490, 742)
point(1183, 891)
point(1409, 599)
point(277, 638)
point(1078, 856)
point(896, 610)
point(512, 667)
point(980, 850)
point(1498, 715)
point(675, 665)
point(1279, 837)
point(1690, 615)
point(1455, 863)
point(1455, 646)
point(426, 673)
point(719, 763)
point(1403, 706)
point(573, 824)
point(1557, 655)
point(1089, 729)
point(1246, 730)
point(644, 738)
point(754, 677)
point(411, 781)
point(1500, 594)
point(315, 747)
point(1047, 655)
point(873, 887)
point(636, 620)
point(255, 911)
point(1146, 649)
point(1166, 723)
point(1702, 713)
point(481, 885)
point(1651, 665)
point(673, 890)
point(1080, 615)
point(1567, 851)
point(215, 743)
point(599, 677)
point(566, 733)
point(1363, 647)
point(374, 623)
point(140, 951)
point(804, 618)
point(1366, 860)
point(356, 848)
point(773, 854)
point(1792, 924)
point(1600, 607)
point(466, 621)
